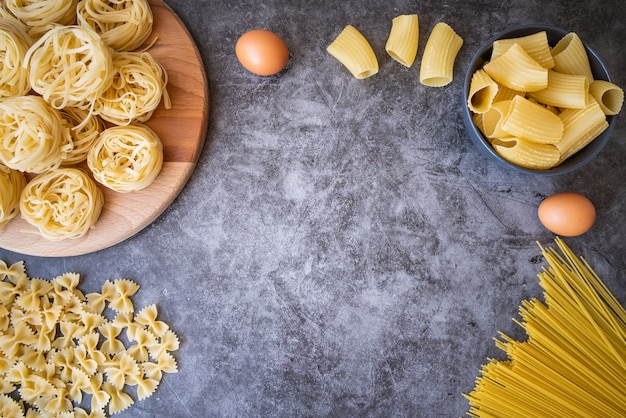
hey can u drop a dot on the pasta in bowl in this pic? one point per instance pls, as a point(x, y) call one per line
point(538, 100)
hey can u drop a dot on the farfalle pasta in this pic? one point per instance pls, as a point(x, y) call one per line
point(62, 203)
point(32, 134)
point(126, 158)
point(53, 379)
point(139, 83)
point(12, 182)
point(124, 25)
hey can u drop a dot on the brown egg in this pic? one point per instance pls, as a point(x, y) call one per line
point(262, 52)
point(567, 214)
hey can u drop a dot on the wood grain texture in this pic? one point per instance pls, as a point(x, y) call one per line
point(182, 129)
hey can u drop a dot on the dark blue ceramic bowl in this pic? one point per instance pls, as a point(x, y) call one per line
point(577, 160)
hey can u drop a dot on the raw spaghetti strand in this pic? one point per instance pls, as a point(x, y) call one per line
point(574, 361)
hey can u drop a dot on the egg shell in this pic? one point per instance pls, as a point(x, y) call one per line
point(262, 52)
point(567, 214)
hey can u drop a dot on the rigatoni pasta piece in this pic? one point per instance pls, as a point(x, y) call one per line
point(403, 39)
point(354, 51)
point(564, 90)
point(517, 70)
point(580, 127)
point(483, 90)
point(609, 96)
point(527, 154)
point(532, 122)
point(570, 56)
point(440, 52)
point(536, 45)
point(492, 120)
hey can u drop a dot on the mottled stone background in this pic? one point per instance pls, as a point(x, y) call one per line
point(342, 249)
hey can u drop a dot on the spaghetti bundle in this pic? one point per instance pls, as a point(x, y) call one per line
point(126, 158)
point(139, 83)
point(14, 43)
point(69, 66)
point(11, 183)
point(574, 361)
point(39, 16)
point(62, 203)
point(124, 25)
point(32, 135)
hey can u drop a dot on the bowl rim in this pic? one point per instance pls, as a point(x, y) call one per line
point(574, 162)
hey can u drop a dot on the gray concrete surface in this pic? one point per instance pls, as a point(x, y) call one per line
point(342, 249)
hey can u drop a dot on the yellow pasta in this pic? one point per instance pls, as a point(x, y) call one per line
point(442, 47)
point(492, 120)
point(580, 127)
point(483, 90)
point(572, 363)
point(517, 70)
point(14, 43)
point(124, 25)
point(570, 56)
point(403, 39)
point(32, 134)
point(126, 158)
point(354, 51)
point(54, 380)
point(70, 66)
point(564, 91)
point(532, 122)
point(64, 203)
point(609, 96)
point(84, 129)
point(527, 154)
point(12, 182)
point(40, 16)
point(139, 83)
point(536, 46)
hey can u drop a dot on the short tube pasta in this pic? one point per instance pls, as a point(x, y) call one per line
point(442, 47)
point(609, 96)
point(527, 154)
point(492, 120)
point(124, 25)
point(517, 70)
point(532, 122)
point(483, 90)
point(354, 51)
point(32, 134)
point(403, 39)
point(536, 46)
point(570, 56)
point(563, 90)
point(69, 66)
point(12, 182)
point(580, 126)
point(63, 203)
point(126, 158)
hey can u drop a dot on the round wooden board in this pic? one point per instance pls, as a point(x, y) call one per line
point(182, 129)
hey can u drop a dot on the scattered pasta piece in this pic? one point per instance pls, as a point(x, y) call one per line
point(82, 356)
point(442, 47)
point(403, 39)
point(572, 363)
point(354, 51)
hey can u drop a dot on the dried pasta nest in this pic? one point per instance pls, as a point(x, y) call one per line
point(138, 85)
point(12, 183)
point(32, 134)
point(62, 203)
point(40, 16)
point(124, 25)
point(70, 66)
point(14, 43)
point(126, 158)
point(84, 129)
